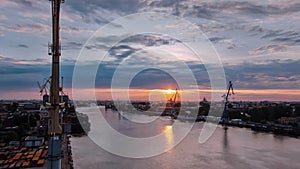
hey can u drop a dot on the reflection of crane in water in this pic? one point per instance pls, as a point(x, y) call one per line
point(225, 117)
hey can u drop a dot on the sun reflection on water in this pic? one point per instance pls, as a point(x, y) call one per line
point(169, 136)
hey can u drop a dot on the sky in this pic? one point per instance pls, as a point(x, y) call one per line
point(257, 43)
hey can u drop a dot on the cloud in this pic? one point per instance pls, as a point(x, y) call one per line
point(215, 10)
point(282, 35)
point(3, 17)
point(121, 51)
point(37, 61)
point(27, 3)
point(72, 29)
point(89, 6)
point(150, 40)
point(269, 49)
point(14, 72)
point(156, 79)
point(130, 44)
point(23, 46)
point(26, 8)
point(274, 74)
point(27, 28)
point(252, 9)
point(225, 41)
point(71, 45)
point(256, 30)
point(280, 39)
point(96, 46)
point(165, 3)
point(102, 11)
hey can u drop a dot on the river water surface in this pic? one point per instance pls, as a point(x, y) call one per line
point(237, 148)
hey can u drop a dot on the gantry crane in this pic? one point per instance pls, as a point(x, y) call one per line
point(173, 101)
point(43, 87)
point(225, 117)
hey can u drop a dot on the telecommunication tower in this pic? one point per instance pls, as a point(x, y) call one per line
point(54, 127)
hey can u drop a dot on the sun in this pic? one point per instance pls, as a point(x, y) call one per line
point(170, 91)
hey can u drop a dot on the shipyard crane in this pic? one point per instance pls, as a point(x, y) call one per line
point(225, 117)
point(54, 127)
point(172, 101)
point(43, 87)
point(61, 88)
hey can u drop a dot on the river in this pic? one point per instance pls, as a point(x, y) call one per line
point(237, 148)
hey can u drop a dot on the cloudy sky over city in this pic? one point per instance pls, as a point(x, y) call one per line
point(257, 41)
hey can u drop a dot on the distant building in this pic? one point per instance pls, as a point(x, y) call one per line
point(33, 141)
point(14, 144)
point(288, 120)
point(29, 107)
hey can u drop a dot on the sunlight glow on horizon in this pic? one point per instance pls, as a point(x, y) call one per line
point(143, 94)
point(240, 94)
